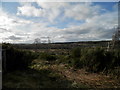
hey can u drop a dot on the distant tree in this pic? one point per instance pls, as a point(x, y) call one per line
point(37, 41)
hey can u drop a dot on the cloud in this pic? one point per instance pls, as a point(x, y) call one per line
point(3, 30)
point(11, 26)
point(52, 10)
point(82, 11)
point(14, 38)
point(28, 10)
point(49, 11)
point(96, 25)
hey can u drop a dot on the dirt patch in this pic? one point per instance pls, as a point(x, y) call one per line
point(44, 74)
point(93, 80)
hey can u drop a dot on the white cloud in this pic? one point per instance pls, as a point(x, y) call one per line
point(82, 11)
point(10, 26)
point(50, 11)
point(96, 26)
point(28, 10)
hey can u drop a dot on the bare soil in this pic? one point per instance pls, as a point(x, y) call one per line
point(94, 80)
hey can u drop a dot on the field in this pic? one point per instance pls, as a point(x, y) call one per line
point(74, 67)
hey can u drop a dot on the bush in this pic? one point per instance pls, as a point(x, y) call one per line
point(93, 59)
point(76, 52)
point(16, 58)
point(47, 57)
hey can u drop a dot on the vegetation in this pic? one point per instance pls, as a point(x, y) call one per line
point(94, 59)
point(39, 75)
point(37, 67)
point(48, 57)
point(15, 58)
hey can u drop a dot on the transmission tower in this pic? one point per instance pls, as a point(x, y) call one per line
point(49, 41)
point(116, 38)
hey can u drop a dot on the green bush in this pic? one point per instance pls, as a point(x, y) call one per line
point(47, 57)
point(16, 58)
point(94, 59)
point(76, 52)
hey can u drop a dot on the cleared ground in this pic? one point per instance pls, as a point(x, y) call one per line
point(44, 74)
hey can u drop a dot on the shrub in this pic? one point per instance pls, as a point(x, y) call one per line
point(47, 57)
point(93, 59)
point(16, 58)
point(76, 52)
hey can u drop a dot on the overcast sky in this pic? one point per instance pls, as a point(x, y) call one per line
point(22, 22)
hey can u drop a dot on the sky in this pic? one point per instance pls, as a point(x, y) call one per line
point(23, 22)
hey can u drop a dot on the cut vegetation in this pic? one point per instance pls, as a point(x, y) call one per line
point(81, 68)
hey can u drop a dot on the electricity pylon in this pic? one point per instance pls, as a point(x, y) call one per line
point(116, 38)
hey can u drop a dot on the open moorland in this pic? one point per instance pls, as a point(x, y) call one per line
point(60, 65)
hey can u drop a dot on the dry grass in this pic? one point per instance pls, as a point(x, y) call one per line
point(44, 74)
